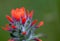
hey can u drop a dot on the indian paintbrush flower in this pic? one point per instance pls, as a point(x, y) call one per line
point(21, 26)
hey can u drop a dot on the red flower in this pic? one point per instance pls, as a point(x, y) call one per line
point(18, 13)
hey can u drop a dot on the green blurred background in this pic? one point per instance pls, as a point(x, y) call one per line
point(46, 10)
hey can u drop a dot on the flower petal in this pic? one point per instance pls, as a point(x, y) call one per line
point(23, 20)
point(9, 18)
point(40, 24)
point(31, 14)
point(14, 27)
point(23, 33)
point(34, 22)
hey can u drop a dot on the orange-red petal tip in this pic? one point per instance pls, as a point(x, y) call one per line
point(9, 18)
point(23, 33)
point(40, 24)
point(34, 22)
point(31, 14)
point(23, 20)
point(14, 27)
point(10, 40)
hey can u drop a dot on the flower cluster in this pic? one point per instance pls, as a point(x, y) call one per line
point(21, 26)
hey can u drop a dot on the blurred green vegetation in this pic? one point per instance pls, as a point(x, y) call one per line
point(46, 10)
